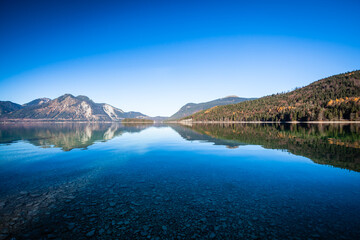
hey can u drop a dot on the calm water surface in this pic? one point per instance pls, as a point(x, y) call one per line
point(242, 181)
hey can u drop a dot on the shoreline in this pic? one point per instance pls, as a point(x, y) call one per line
point(166, 122)
point(61, 121)
point(292, 122)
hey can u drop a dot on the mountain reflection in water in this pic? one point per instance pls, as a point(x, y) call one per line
point(66, 136)
point(203, 181)
point(337, 145)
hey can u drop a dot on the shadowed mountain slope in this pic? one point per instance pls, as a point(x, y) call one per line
point(7, 107)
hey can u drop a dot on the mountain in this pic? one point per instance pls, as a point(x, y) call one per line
point(137, 121)
point(132, 114)
point(192, 108)
point(158, 118)
point(68, 107)
point(37, 102)
point(333, 98)
point(7, 107)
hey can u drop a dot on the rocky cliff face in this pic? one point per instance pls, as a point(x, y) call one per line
point(68, 107)
point(37, 102)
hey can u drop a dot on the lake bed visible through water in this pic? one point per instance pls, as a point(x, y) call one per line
point(203, 181)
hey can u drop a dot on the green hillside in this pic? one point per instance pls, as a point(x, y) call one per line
point(333, 98)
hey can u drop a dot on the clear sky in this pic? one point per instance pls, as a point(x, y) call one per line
point(155, 56)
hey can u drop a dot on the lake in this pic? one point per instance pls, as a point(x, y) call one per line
point(204, 181)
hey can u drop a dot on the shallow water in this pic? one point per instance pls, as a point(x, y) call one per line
point(240, 181)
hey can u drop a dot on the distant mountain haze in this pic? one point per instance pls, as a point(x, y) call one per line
point(192, 108)
point(65, 107)
point(158, 118)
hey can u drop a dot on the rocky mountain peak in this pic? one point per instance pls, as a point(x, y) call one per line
point(66, 108)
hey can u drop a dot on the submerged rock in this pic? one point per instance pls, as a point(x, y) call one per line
point(71, 226)
point(135, 204)
point(34, 195)
point(91, 233)
point(51, 236)
point(3, 236)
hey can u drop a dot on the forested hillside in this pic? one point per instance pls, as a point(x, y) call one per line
point(333, 98)
point(192, 108)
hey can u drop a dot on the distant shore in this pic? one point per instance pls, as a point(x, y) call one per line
point(51, 121)
point(293, 122)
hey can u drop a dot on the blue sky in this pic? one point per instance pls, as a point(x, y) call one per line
point(155, 56)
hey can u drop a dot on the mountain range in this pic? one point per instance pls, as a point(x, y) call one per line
point(329, 99)
point(81, 108)
point(65, 107)
point(333, 98)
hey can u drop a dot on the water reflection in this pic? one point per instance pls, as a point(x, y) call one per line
point(66, 136)
point(337, 145)
point(156, 185)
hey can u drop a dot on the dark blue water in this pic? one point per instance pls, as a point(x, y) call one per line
point(82, 181)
